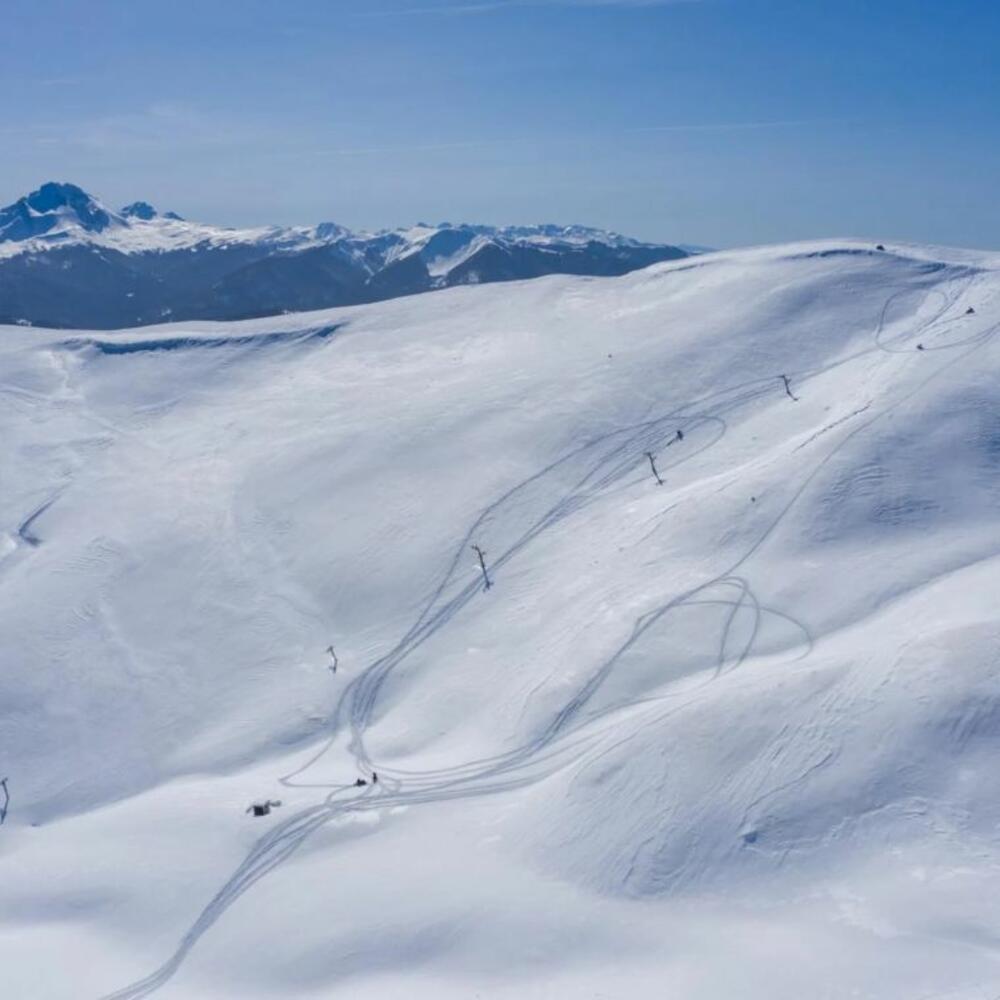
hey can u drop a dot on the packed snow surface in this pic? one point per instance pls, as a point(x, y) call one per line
point(731, 736)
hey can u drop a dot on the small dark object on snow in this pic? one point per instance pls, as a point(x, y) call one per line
point(753, 499)
point(487, 583)
point(262, 808)
point(880, 247)
point(680, 434)
point(333, 665)
point(6, 801)
point(359, 782)
point(374, 777)
point(788, 390)
point(969, 311)
point(920, 347)
point(652, 465)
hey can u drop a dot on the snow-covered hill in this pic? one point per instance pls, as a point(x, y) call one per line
point(66, 259)
point(731, 735)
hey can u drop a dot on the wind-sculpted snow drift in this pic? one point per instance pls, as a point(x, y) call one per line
point(734, 735)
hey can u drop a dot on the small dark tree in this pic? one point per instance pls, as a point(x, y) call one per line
point(487, 583)
point(788, 389)
point(652, 465)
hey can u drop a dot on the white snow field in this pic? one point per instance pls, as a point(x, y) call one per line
point(732, 736)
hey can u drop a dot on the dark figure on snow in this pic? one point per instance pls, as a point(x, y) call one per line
point(788, 389)
point(359, 782)
point(374, 777)
point(969, 311)
point(481, 555)
point(262, 808)
point(652, 465)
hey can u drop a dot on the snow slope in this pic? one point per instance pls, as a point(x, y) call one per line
point(730, 736)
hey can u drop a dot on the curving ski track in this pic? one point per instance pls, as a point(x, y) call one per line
point(606, 463)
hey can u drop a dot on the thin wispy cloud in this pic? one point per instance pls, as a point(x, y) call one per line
point(735, 126)
point(161, 126)
point(489, 6)
point(510, 141)
point(421, 147)
point(59, 81)
point(168, 125)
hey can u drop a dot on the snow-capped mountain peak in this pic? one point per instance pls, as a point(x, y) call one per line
point(56, 209)
point(144, 211)
point(139, 266)
point(62, 214)
point(140, 210)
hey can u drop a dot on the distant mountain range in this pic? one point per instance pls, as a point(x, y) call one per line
point(67, 260)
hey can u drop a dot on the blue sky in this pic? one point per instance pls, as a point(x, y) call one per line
point(721, 122)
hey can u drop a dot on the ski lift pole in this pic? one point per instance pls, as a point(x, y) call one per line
point(788, 389)
point(487, 583)
point(652, 465)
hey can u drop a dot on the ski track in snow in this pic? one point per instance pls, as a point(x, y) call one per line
point(607, 464)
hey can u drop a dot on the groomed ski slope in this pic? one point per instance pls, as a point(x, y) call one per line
point(732, 736)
